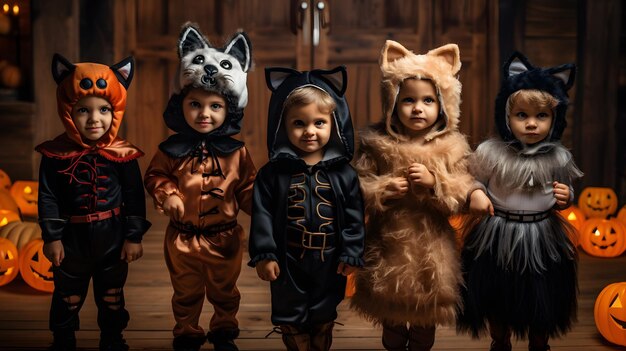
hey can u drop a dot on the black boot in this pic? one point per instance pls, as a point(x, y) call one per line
point(187, 343)
point(500, 336)
point(538, 341)
point(295, 338)
point(64, 340)
point(421, 338)
point(396, 337)
point(223, 339)
point(112, 341)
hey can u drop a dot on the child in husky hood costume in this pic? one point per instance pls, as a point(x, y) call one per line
point(91, 202)
point(201, 177)
point(519, 264)
point(413, 175)
point(307, 223)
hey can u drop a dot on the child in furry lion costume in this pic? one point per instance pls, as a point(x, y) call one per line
point(413, 171)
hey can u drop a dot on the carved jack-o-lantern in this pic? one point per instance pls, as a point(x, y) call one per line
point(7, 202)
point(5, 181)
point(603, 237)
point(621, 215)
point(574, 216)
point(8, 261)
point(597, 202)
point(610, 313)
point(35, 268)
point(7, 217)
point(25, 193)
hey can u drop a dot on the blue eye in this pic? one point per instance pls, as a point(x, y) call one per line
point(198, 60)
point(226, 64)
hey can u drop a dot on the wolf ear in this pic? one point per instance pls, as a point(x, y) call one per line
point(450, 54)
point(240, 48)
point(275, 76)
point(190, 39)
point(566, 73)
point(391, 51)
point(336, 78)
point(124, 71)
point(61, 68)
point(516, 64)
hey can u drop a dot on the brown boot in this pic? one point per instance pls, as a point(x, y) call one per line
point(322, 336)
point(421, 338)
point(538, 341)
point(395, 337)
point(295, 339)
point(501, 337)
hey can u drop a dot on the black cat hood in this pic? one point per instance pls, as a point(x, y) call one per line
point(519, 74)
point(282, 82)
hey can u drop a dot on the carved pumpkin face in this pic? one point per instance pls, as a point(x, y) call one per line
point(597, 202)
point(35, 268)
point(5, 181)
point(574, 216)
point(7, 217)
point(610, 313)
point(603, 237)
point(25, 194)
point(621, 215)
point(8, 261)
point(7, 202)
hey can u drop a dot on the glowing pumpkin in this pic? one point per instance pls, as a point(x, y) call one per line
point(7, 202)
point(20, 233)
point(621, 215)
point(350, 286)
point(5, 181)
point(574, 216)
point(8, 261)
point(603, 237)
point(456, 221)
point(597, 202)
point(35, 268)
point(25, 194)
point(610, 313)
point(7, 217)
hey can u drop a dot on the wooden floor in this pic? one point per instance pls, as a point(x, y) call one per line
point(24, 312)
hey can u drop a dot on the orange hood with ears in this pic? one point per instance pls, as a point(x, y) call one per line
point(76, 81)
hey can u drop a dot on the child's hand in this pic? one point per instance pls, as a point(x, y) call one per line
point(268, 270)
point(131, 251)
point(173, 206)
point(397, 188)
point(345, 269)
point(420, 175)
point(54, 252)
point(561, 194)
point(480, 203)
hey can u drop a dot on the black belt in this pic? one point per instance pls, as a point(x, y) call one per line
point(306, 240)
point(211, 230)
point(522, 217)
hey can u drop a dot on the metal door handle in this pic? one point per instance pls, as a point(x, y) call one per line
point(319, 21)
point(299, 11)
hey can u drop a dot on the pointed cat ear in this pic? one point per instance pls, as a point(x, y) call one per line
point(392, 51)
point(336, 78)
point(124, 71)
point(516, 64)
point(450, 54)
point(61, 68)
point(190, 39)
point(275, 76)
point(566, 73)
point(240, 48)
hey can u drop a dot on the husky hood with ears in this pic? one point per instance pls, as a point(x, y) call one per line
point(440, 65)
point(282, 82)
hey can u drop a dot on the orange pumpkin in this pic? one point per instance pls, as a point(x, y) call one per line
point(350, 286)
point(35, 268)
point(5, 181)
point(597, 202)
point(603, 237)
point(8, 261)
point(20, 233)
point(7, 217)
point(574, 216)
point(25, 193)
point(610, 313)
point(456, 221)
point(7, 202)
point(621, 215)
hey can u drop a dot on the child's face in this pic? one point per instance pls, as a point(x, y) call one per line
point(530, 123)
point(417, 106)
point(308, 128)
point(204, 111)
point(92, 116)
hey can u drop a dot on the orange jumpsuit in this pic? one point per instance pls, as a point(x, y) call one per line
point(203, 252)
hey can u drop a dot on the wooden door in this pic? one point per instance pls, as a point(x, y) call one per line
point(306, 34)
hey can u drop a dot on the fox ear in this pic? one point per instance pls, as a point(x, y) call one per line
point(240, 48)
point(190, 39)
point(61, 68)
point(124, 71)
point(566, 73)
point(516, 64)
point(391, 51)
point(275, 76)
point(450, 54)
point(336, 78)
